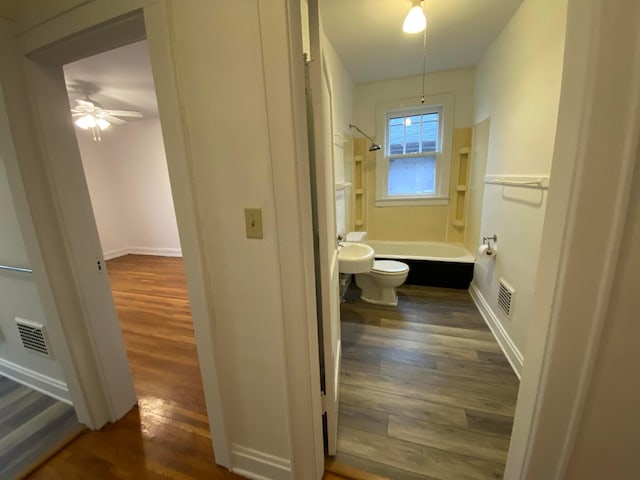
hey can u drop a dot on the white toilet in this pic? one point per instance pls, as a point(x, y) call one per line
point(379, 284)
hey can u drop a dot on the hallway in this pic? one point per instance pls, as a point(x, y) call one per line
point(32, 425)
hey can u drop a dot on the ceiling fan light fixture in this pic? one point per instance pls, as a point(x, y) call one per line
point(102, 123)
point(415, 21)
point(86, 121)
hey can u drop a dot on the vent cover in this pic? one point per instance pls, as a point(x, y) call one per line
point(505, 297)
point(32, 336)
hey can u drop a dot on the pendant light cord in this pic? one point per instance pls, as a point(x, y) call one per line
point(424, 60)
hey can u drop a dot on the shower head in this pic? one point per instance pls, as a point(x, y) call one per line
point(374, 146)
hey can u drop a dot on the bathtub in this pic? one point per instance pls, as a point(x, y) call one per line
point(434, 264)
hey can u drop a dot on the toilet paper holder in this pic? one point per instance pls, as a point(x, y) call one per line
point(487, 240)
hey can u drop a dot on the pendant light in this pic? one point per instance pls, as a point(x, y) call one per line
point(415, 21)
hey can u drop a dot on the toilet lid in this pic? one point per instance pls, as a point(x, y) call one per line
point(389, 266)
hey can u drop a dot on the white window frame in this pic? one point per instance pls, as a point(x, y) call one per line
point(443, 104)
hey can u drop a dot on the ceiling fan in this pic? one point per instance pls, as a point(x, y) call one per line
point(91, 116)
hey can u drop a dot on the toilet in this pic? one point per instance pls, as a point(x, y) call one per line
point(379, 284)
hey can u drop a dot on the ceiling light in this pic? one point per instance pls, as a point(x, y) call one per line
point(93, 123)
point(102, 123)
point(415, 20)
point(86, 121)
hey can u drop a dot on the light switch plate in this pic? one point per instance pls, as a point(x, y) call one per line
point(253, 222)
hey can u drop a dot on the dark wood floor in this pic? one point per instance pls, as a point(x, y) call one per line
point(167, 435)
point(426, 392)
point(32, 426)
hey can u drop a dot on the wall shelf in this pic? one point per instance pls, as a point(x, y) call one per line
point(459, 206)
point(359, 183)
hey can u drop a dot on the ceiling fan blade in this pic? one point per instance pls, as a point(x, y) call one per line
point(110, 119)
point(77, 114)
point(84, 103)
point(124, 113)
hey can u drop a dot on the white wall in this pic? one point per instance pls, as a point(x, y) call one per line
point(460, 82)
point(101, 163)
point(18, 292)
point(231, 171)
point(342, 86)
point(518, 88)
point(130, 192)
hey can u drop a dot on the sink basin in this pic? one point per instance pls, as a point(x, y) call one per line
point(355, 258)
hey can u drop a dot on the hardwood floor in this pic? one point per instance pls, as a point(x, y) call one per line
point(426, 392)
point(32, 427)
point(167, 435)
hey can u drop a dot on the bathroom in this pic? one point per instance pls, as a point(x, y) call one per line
point(471, 238)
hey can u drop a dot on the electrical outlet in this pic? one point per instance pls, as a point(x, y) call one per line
point(253, 222)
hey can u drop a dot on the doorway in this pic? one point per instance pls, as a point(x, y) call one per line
point(93, 331)
point(119, 135)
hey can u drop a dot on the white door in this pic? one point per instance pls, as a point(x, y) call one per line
point(323, 183)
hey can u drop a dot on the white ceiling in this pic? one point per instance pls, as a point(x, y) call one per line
point(119, 79)
point(369, 39)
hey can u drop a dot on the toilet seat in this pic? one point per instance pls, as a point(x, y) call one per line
point(389, 267)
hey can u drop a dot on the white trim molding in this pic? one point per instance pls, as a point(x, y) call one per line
point(507, 345)
point(285, 93)
point(158, 252)
point(257, 465)
point(115, 253)
point(42, 383)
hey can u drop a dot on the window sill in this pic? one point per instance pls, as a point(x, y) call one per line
point(411, 202)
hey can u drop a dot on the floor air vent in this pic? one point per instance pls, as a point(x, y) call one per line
point(32, 336)
point(505, 297)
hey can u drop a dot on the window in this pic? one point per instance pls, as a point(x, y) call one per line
point(413, 166)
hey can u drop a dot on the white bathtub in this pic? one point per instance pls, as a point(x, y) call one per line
point(434, 251)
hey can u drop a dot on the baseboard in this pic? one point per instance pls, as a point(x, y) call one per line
point(115, 253)
point(32, 379)
point(504, 340)
point(257, 465)
point(160, 252)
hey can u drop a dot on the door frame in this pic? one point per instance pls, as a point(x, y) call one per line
point(601, 67)
point(599, 117)
point(101, 386)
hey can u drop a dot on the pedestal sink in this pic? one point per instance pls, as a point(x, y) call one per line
point(355, 258)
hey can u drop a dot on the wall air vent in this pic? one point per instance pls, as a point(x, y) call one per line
point(505, 297)
point(33, 336)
